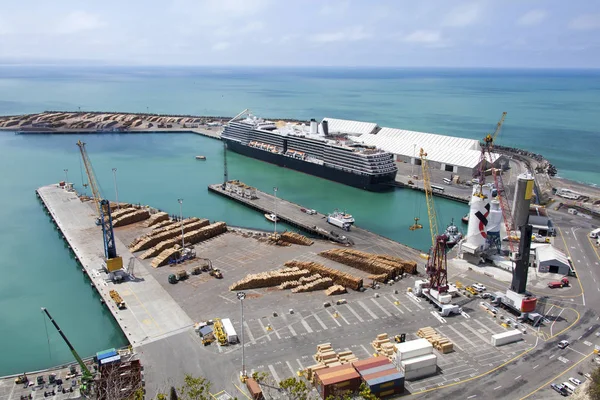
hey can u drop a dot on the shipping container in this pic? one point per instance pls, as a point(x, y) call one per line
point(373, 380)
point(413, 348)
point(389, 392)
point(105, 354)
point(229, 330)
point(255, 390)
point(419, 362)
point(420, 373)
point(373, 370)
point(370, 363)
point(339, 384)
point(396, 383)
point(503, 338)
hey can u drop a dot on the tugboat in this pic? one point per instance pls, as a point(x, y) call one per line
point(453, 235)
point(272, 217)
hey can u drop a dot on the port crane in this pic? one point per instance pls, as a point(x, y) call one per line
point(87, 377)
point(113, 261)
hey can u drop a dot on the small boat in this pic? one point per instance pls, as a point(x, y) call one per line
point(272, 217)
point(465, 219)
point(453, 235)
point(200, 158)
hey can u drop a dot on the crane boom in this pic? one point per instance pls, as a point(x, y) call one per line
point(87, 375)
point(433, 228)
point(91, 176)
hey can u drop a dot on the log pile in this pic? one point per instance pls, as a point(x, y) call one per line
point(384, 346)
point(118, 213)
point(115, 206)
point(269, 279)
point(321, 283)
point(335, 289)
point(136, 216)
point(440, 342)
point(165, 255)
point(157, 236)
point(157, 218)
point(338, 277)
point(190, 238)
point(164, 224)
point(375, 264)
point(296, 238)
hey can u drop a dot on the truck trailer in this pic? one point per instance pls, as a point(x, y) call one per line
point(229, 331)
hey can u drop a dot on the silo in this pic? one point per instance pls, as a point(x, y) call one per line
point(522, 199)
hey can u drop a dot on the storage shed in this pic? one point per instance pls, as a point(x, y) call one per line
point(550, 259)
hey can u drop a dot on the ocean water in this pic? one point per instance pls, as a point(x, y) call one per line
point(548, 112)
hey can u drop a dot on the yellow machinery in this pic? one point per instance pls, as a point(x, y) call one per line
point(433, 227)
point(219, 331)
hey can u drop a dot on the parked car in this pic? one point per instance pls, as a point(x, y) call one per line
point(479, 287)
point(563, 343)
point(559, 388)
point(486, 295)
point(575, 381)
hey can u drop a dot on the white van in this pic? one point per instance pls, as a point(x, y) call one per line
point(595, 233)
point(569, 387)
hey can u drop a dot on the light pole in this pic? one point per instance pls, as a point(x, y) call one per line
point(66, 175)
point(275, 191)
point(241, 296)
point(114, 170)
point(181, 219)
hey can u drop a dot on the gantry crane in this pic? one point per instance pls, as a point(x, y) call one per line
point(87, 377)
point(437, 266)
point(113, 261)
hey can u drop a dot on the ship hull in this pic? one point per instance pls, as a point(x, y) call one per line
point(372, 183)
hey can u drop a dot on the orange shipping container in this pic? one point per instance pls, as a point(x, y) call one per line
point(370, 363)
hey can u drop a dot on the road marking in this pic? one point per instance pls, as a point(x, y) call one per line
point(249, 333)
point(355, 314)
point(274, 330)
point(587, 343)
point(497, 387)
point(360, 303)
point(414, 300)
point(300, 364)
point(366, 351)
point(461, 335)
point(265, 330)
point(479, 335)
point(518, 377)
point(535, 367)
point(401, 303)
point(484, 326)
point(334, 319)
point(470, 397)
point(275, 376)
point(440, 318)
point(291, 369)
point(397, 307)
point(552, 356)
point(320, 322)
point(563, 359)
point(306, 326)
point(386, 312)
point(576, 351)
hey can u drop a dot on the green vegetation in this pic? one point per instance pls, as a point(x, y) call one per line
point(594, 387)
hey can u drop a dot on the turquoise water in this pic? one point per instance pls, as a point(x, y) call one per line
point(550, 113)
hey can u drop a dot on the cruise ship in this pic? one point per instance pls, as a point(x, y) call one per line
point(313, 150)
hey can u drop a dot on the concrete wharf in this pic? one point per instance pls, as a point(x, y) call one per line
point(151, 313)
point(316, 224)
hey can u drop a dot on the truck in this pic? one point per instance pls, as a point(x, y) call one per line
point(179, 275)
point(507, 337)
point(559, 284)
point(229, 331)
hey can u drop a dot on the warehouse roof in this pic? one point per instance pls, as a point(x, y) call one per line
point(550, 254)
point(349, 127)
point(442, 149)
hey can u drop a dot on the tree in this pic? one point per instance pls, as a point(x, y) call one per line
point(195, 388)
point(295, 389)
point(173, 395)
point(594, 387)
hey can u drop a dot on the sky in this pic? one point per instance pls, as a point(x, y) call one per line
point(396, 33)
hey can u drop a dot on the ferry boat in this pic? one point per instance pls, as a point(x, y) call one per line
point(341, 220)
point(312, 150)
point(272, 217)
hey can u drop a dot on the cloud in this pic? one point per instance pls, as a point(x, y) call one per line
point(585, 22)
point(334, 8)
point(346, 35)
point(220, 46)
point(464, 15)
point(533, 17)
point(79, 21)
point(425, 37)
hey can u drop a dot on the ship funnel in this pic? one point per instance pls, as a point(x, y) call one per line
point(313, 127)
point(325, 127)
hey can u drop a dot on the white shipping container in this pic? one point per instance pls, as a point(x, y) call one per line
point(229, 330)
point(413, 348)
point(420, 373)
point(412, 364)
point(507, 337)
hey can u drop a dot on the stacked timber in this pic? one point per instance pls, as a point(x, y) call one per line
point(190, 238)
point(164, 224)
point(338, 277)
point(269, 279)
point(346, 357)
point(158, 236)
point(376, 264)
point(440, 342)
point(115, 206)
point(335, 289)
point(118, 213)
point(296, 238)
point(310, 371)
point(157, 218)
point(289, 285)
point(321, 283)
point(378, 278)
point(165, 255)
point(379, 341)
point(136, 216)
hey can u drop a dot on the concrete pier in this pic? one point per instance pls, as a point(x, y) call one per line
point(151, 312)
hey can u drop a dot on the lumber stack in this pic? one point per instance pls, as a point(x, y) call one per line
point(310, 371)
point(296, 238)
point(335, 289)
point(380, 340)
point(338, 277)
point(375, 264)
point(115, 206)
point(384, 346)
point(289, 285)
point(136, 216)
point(157, 218)
point(440, 342)
point(378, 278)
point(269, 279)
point(165, 255)
point(118, 213)
point(155, 238)
point(321, 283)
point(164, 224)
point(190, 238)
point(346, 357)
